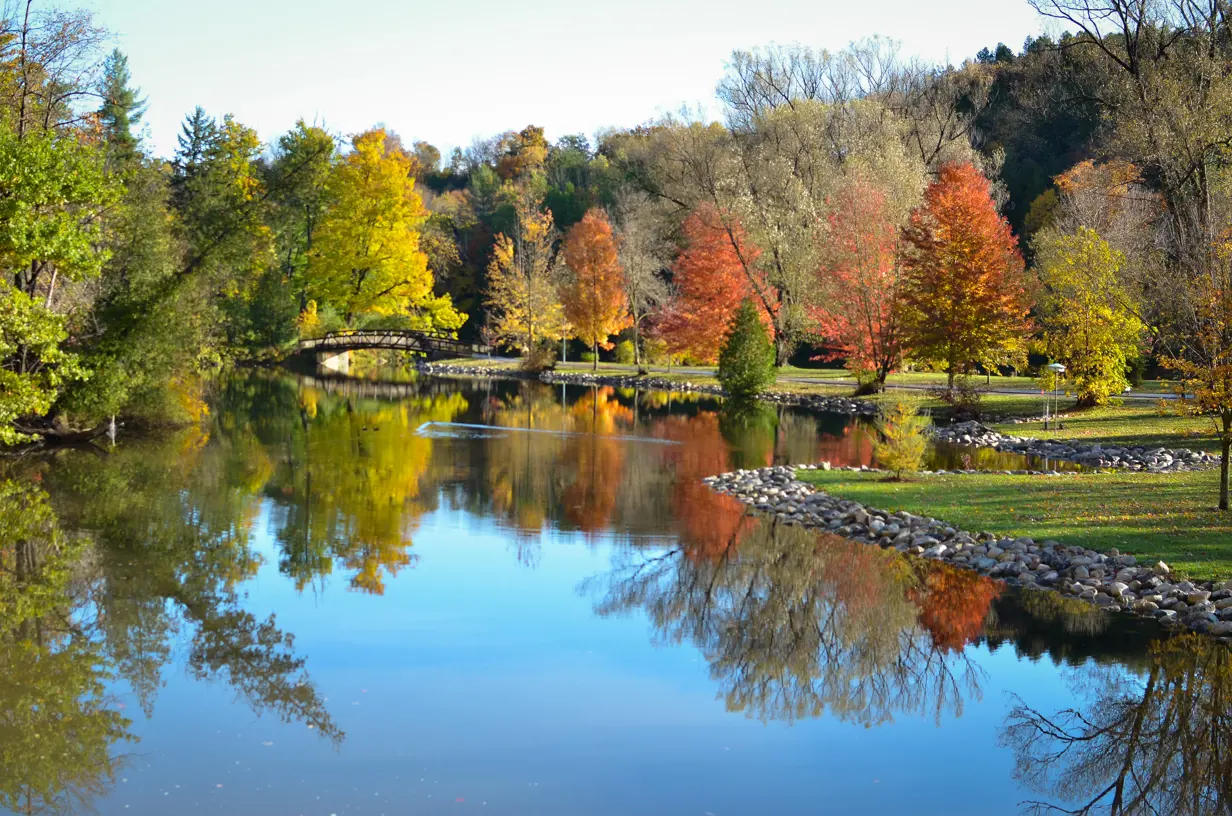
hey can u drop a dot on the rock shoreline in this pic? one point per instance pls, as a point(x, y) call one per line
point(1095, 455)
point(1107, 580)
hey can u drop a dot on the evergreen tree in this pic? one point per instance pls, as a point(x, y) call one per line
point(746, 361)
point(122, 106)
point(196, 139)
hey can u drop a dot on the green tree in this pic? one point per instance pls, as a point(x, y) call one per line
point(217, 194)
point(123, 106)
point(746, 361)
point(1087, 320)
point(298, 178)
point(50, 236)
point(901, 444)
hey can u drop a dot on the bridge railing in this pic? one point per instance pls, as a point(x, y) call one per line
point(396, 339)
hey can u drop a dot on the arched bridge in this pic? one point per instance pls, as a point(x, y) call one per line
point(332, 350)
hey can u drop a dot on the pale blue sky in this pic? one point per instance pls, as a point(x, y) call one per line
point(449, 71)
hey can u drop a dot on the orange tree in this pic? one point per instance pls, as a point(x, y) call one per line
point(859, 318)
point(710, 283)
point(964, 289)
point(594, 299)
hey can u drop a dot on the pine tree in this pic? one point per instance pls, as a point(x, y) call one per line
point(122, 106)
point(746, 361)
point(197, 137)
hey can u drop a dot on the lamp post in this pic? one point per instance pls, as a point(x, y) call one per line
point(1057, 369)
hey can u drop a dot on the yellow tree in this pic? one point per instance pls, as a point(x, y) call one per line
point(1089, 323)
point(367, 257)
point(521, 283)
point(594, 300)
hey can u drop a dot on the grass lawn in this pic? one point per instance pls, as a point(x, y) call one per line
point(1152, 516)
point(1134, 423)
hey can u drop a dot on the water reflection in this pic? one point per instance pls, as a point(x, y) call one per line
point(795, 624)
point(1155, 742)
point(116, 566)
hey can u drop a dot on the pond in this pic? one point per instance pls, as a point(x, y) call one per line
point(511, 598)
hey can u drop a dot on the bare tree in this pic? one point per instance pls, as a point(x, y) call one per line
point(644, 255)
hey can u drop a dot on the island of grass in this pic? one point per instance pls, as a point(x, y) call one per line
point(1169, 517)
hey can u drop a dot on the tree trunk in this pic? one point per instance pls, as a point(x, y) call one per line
point(637, 347)
point(594, 352)
point(1225, 444)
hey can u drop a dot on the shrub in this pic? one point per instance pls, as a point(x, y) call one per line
point(964, 398)
point(588, 356)
point(900, 448)
point(746, 361)
point(866, 382)
point(624, 352)
point(540, 358)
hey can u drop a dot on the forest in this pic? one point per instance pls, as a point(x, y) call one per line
point(1069, 201)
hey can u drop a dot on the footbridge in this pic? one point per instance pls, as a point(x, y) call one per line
point(333, 350)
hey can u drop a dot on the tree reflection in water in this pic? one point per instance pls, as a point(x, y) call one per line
point(122, 557)
point(58, 726)
point(794, 624)
point(1157, 742)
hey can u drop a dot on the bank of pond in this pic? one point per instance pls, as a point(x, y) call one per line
point(334, 597)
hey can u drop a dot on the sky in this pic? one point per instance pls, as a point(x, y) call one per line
point(448, 72)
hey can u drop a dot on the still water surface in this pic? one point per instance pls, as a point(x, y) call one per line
point(508, 598)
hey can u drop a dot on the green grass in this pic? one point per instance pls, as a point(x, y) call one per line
point(1169, 517)
point(1135, 423)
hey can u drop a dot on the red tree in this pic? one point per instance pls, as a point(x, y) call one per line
point(859, 318)
point(710, 284)
point(964, 291)
point(594, 300)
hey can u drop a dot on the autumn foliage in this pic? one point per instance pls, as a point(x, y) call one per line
point(594, 300)
point(596, 458)
point(859, 316)
point(711, 524)
point(710, 284)
point(964, 289)
point(953, 604)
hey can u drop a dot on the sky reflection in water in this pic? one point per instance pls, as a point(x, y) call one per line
point(316, 605)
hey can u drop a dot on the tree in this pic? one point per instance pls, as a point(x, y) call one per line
point(859, 316)
point(123, 106)
point(964, 291)
point(50, 236)
point(746, 361)
point(901, 446)
point(299, 180)
point(521, 283)
point(217, 194)
point(197, 135)
point(643, 257)
point(709, 286)
point(594, 300)
point(1204, 364)
point(33, 366)
point(1087, 322)
point(367, 256)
